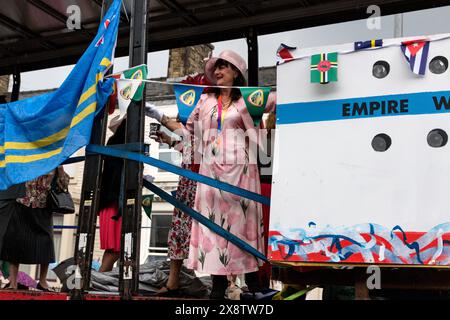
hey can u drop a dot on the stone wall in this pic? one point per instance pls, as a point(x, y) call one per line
point(4, 82)
point(267, 76)
point(188, 60)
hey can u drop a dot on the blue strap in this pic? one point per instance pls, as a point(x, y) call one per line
point(128, 146)
point(178, 171)
point(74, 160)
point(205, 221)
point(64, 227)
point(134, 146)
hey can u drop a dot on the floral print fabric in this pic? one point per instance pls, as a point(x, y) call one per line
point(36, 191)
point(210, 253)
point(180, 229)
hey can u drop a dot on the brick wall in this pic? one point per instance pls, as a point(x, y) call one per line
point(188, 60)
point(4, 82)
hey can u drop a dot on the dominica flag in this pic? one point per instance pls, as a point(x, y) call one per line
point(416, 53)
point(360, 45)
point(324, 67)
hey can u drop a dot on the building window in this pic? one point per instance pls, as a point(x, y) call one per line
point(170, 156)
point(159, 232)
point(167, 154)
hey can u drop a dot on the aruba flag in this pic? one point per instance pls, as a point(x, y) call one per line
point(39, 133)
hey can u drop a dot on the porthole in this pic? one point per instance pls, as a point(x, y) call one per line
point(381, 142)
point(380, 69)
point(438, 65)
point(437, 138)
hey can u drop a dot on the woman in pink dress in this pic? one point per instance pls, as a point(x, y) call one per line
point(225, 133)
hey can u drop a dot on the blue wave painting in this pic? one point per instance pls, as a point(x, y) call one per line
point(362, 243)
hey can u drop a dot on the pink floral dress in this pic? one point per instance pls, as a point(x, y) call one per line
point(226, 157)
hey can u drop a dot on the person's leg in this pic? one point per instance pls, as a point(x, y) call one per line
point(13, 272)
point(43, 275)
point(219, 287)
point(174, 275)
point(109, 258)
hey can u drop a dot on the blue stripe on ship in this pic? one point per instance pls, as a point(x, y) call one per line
point(417, 103)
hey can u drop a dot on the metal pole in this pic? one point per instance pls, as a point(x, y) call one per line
point(89, 203)
point(16, 85)
point(253, 63)
point(398, 25)
point(131, 182)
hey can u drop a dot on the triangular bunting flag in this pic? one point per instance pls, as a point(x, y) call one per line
point(137, 73)
point(324, 67)
point(147, 201)
point(416, 53)
point(255, 100)
point(360, 45)
point(130, 90)
point(125, 92)
point(187, 98)
point(284, 53)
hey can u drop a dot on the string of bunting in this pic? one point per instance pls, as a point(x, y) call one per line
point(286, 53)
point(324, 66)
point(324, 69)
point(130, 82)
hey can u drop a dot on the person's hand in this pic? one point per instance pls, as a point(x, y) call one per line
point(152, 112)
point(163, 138)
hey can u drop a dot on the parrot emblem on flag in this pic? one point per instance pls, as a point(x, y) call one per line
point(256, 98)
point(126, 92)
point(188, 98)
point(137, 75)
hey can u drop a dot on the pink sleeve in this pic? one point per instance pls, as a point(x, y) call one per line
point(195, 115)
point(271, 103)
point(179, 147)
point(188, 129)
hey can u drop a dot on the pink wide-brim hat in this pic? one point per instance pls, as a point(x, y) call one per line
point(229, 56)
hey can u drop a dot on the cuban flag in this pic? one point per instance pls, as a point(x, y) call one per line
point(416, 53)
point(284, 53)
